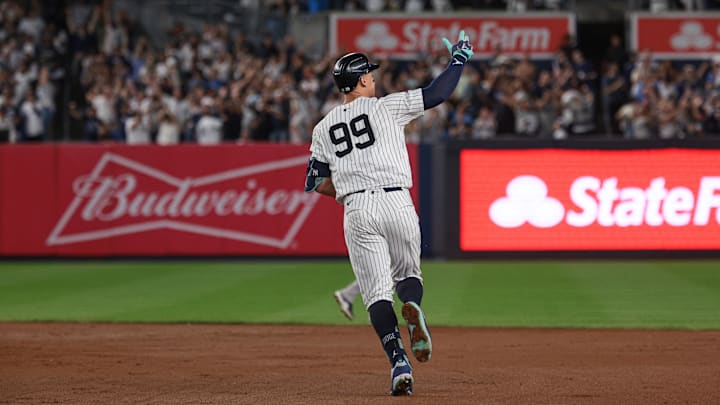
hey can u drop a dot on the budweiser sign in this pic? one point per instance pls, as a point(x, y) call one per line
point(121, 196)
point(409, 36)
point(676, 35)
point(185, 200)
point(592, 200)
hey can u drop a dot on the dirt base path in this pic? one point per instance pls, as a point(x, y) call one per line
point(249, 364)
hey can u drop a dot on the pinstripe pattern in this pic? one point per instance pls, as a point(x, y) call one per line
point(385, 163)
point(382, 230)
point(382, 234)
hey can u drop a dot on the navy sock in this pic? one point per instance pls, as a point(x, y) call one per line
point(382, 316)
point(410, 289)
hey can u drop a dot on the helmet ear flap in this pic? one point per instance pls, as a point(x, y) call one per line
point(350, 84)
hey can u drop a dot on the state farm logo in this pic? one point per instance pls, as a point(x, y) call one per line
point(691, 36)
point(601, 201)
point(121, 197)
point(526, 201)
point(376, 36)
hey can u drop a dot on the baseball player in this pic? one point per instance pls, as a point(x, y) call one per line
point(345, 298)
point(359, 157)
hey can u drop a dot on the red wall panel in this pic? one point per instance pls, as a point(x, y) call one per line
point(553, 199)
point(100, 200)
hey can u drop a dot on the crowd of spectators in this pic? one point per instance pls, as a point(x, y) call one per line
point(297, 6)
point(660, 6)
point(655, 99)
point(205, 87)
point(32, 66)
point(410, 6)
point(215, 85)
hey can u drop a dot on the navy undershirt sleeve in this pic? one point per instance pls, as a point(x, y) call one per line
point(442, 87)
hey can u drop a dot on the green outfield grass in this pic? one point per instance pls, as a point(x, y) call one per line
point(632, 294)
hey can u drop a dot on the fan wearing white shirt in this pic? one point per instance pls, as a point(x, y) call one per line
point(168, 130)
point(137, 129)
point(32, 114)
point(208, 130)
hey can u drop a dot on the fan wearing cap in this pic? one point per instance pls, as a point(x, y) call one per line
point(359, 157)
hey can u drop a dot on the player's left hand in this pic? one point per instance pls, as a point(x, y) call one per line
point(462, 51)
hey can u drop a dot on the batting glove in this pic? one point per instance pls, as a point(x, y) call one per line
point(462, 51)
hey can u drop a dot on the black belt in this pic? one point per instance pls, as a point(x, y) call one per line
point(387, 190)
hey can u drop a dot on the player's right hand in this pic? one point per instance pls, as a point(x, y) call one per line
point(462, 51)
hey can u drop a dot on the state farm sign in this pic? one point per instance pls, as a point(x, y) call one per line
point(676, 35)
point(593, 200)
point(411, 36)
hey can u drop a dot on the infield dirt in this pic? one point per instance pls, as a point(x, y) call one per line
point(258, 364)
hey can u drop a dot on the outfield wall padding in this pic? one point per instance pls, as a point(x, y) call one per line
point(82, 200)
point(582, 198)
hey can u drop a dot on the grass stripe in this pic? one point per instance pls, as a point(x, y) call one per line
point(617, 294)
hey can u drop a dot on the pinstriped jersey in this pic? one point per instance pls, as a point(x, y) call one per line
point(363, 142)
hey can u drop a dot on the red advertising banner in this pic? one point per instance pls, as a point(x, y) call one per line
point(95, 200)
point(552, 199)
point(676, 35)
point(409, 36)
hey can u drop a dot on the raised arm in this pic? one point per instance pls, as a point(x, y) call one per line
point(443, 86)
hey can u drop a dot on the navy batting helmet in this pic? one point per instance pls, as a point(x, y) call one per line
point(349, 68)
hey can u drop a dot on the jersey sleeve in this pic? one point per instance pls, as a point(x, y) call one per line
point(404, 106)
point(318, 148)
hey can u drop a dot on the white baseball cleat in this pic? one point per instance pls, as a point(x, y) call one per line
point(345, 305)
